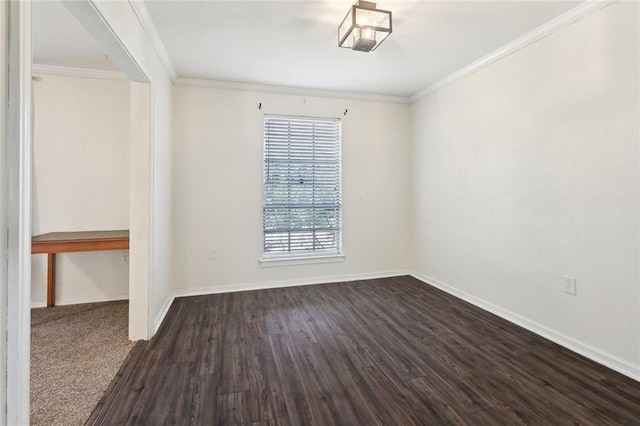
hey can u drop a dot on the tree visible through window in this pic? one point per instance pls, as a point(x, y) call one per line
point(302, 210)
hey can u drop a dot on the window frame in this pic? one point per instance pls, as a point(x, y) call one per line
point(271, 258)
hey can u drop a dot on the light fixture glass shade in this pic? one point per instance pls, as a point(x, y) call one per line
point(364, 27)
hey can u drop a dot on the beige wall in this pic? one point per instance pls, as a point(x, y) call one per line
point(528, 170)
point(217, 186)
point(80, 182)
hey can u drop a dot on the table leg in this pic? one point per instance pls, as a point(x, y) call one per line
point(51, 281)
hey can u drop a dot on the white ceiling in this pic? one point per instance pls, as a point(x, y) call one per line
point(294, 43)
point(58, 39)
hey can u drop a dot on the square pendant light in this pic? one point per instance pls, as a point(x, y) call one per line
point(364, 27)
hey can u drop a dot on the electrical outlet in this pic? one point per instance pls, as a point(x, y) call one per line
point(213, 253)
point(570, 285)
point(125, 257)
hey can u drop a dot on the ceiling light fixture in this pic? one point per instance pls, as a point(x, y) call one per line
point(364, 27)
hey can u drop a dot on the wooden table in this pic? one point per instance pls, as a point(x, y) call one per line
point(64, 242)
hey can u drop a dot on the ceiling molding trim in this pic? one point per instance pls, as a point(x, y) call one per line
point(287, 90)
point(78, 72)
point(557, 23)
point(142, 13)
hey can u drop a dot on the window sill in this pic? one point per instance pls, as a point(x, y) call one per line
point(267, 262)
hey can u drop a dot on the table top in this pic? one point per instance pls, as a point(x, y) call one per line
point(82, 236)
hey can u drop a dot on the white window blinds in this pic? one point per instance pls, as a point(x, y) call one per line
point(302, 211)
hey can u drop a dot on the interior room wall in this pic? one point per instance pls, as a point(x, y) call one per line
point(150, 278)
point(527, 171)
point(80, 182)
point(218, 171)
point(162, 205)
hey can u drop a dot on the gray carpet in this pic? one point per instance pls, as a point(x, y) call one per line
point(76, 351)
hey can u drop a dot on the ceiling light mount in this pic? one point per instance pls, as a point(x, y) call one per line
point(364, 27)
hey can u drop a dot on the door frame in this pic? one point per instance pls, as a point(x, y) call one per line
point(18, 212)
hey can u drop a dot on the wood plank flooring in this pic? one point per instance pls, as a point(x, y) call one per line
point(390, 351)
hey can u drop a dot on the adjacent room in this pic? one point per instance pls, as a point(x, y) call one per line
point(403, 212)
point(80, 208)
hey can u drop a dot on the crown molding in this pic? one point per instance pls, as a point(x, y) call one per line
point(288, 90)
point(142, 13)
point(557, 23)
point(78, 72)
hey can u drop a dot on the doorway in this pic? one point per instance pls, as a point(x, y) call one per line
point(80, 197)
point(18, 193)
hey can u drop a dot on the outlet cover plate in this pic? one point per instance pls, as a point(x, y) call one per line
point(570, 285)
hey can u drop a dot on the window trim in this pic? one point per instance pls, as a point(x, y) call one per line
point(305, 259)
point(270, 259)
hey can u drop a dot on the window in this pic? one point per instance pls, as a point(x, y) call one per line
point(302, 210)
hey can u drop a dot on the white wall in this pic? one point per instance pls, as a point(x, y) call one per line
point(80, 182)
point(528, 170)
point(218, 154)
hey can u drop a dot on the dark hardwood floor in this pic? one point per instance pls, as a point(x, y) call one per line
point(390, 351)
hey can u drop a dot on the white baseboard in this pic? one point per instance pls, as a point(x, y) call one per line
point(163, 313)
point(583, 349)
point(286, 283)
point(63, 302)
